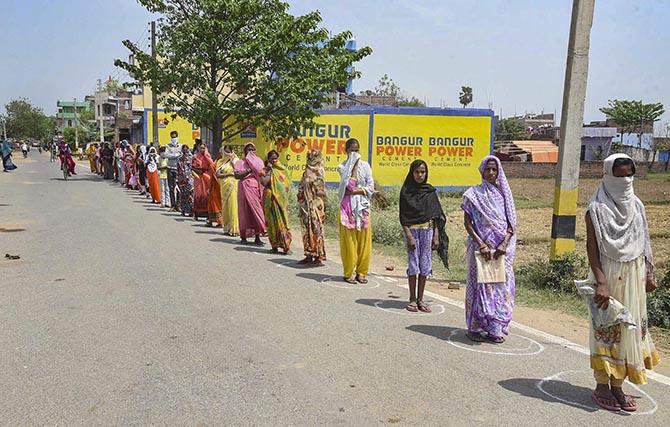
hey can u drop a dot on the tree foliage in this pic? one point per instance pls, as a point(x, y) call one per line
point(388, 87)
point(25, 120)
point(465, 97)
point(633, 116)
point(510, 129)
point(225, 64)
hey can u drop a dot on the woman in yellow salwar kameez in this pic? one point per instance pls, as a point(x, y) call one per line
point(275, 203)
point(90, 155)
point(355, 196)
point(225, 168)
point(622, 266)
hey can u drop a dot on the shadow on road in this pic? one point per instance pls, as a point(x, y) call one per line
point(292, 263)
point(566, 393)
point(229, 240)
point(317, 277)
point(79, 178)
point(214, 232)
point(442, 332)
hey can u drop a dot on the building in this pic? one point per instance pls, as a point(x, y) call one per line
point(537, 151)
point(115, 113)
point(65, 117)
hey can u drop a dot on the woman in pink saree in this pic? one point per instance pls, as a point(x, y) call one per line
point(250, 195)
point(202, 164)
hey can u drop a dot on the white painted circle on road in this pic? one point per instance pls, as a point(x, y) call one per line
point(328, 282)
point(440, 310)
point(528, 351)
point(540, 386)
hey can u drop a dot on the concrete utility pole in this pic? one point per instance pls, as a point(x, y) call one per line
point(76, 127)
point(572, 119)
point(154, 101)
point(101, 113)
point(4, 128)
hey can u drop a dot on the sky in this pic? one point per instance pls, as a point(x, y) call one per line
point(512, 53)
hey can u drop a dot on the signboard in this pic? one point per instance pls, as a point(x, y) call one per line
point(452, 146)
point(329, 135)
point(166, 124)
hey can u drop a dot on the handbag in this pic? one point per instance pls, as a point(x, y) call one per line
point(492, 271)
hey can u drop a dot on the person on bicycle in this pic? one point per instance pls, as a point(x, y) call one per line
point(24, 149)
point(65, 156)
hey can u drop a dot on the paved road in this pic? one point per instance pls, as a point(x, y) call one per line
point(120, 313)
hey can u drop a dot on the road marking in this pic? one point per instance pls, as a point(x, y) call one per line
point(328, 282)
point(510, 352)
point(539, 385)
point(404, 312)
point(660, 378)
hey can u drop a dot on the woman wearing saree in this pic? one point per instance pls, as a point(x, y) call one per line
point(7, 164)
point(490, 220)
point(214, 214)
point(90, 154)
point(355, 195)
point(185, 181)
point(225, 174)
point(202, 167)
point(311, 199)
point(107, 155)
point(275, 203)
point(129, 167)
point(622, 270)
point(152, 175)
point(249, 195)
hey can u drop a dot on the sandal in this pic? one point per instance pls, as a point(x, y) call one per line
point(423, 307)
point(412, 306)
point(361, 280)
point(609, 403)
point(350, 280)
point(495, 340)
point(475, 336)
point(626, 402)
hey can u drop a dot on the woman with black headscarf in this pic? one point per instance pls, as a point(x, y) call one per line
point(423, 222)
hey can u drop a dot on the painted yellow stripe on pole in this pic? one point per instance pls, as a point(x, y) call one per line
point(560, 247)
point(565, 201)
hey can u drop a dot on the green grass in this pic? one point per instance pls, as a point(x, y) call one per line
point(548, 299)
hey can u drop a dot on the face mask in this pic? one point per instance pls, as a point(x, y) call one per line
point(174, 140)
point(620, 188)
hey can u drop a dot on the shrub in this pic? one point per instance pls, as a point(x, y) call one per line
point(658, 303)
point(386, 227)
point(556, 275)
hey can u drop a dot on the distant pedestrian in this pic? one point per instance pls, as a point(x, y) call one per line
point(141, 160)
point(185, 181)
point(172, 154)
point(275, 203)
point(490, 221)
point(423, 223)
point(312, 214)
point(202, 168)
point(214, 207)
point(162, 175)
point(355, 197)
point(130, 168)
point(622, 268)
point(249, 195)
point(152, 175)
point(107, 155)
point(65, 156)
point(90, 154)
point(7, 164)
point(98, 159)
point(225, 173)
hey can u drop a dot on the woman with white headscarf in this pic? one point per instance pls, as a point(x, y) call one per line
point(355, 195)
point(622, 267)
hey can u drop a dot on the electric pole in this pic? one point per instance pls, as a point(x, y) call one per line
point(101, 112)
point(154, 101)
point(572, 120)
point(76, 127)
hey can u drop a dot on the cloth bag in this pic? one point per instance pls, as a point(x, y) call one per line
point(615, 313)
point(492, 271)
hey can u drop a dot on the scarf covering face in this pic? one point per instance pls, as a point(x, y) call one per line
point(347, 168)
point(619, 217)
point(152, 164)
point(419, 204)
point(480, 197)
point(312, 182)
point(252, 160)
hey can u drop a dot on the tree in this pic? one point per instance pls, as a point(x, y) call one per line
point(25, 120)
point(465, 97)
point(85, 135)
point(387, 87)
point(510, 129)
point(633, 116)
point(225, 64)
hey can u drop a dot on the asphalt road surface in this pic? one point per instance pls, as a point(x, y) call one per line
point(119, 313)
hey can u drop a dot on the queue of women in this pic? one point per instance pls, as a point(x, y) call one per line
point(249, 196)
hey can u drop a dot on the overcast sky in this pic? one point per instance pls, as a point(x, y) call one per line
point(512, 53)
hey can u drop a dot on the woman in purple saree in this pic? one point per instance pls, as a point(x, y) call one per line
point(490, 220)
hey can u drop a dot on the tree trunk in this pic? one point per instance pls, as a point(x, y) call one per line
point(217, 128)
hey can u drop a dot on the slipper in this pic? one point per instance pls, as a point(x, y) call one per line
point(495, 340)
point(627, 404)
point(475, 336)
point(604, 402)
point(412, 306)
point(350, 280)
point(423, 307)
point(361, 280)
